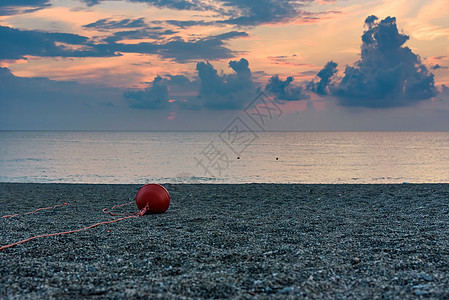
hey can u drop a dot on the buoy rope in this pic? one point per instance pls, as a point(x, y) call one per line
point(120, 205)
point(32, 212)
point(66, 232)
point(140, 213)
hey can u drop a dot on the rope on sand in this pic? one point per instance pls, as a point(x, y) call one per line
point(32, 212)
point(120, 205)
point(132, 215)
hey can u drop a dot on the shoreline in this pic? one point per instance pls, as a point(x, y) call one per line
point(221, 183)
point(229, 241)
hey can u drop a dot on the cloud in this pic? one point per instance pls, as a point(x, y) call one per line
point(209, 90)
point(166, 92)
point(183, 92)
point(153, 97)
point(34, 103)
point(231, 91)
point(177, 80)
point(19, 43)
point(16, 44)
point(437, 66)
point(288, 61)
point(209, 48)
point(259, 12)
point(370, 20)
point(172, 4)
point(388, 74)
point(181, 87)
point(239, 12)
point(91, 2)
point(284, 90)
point(44, 104)
point(445, 90)
point(108, 24)
point(42, 89)
point(12, 7)
point(325, 75)
point(443, 96)
point(148, 33)
point(185, 24)
point(256, 12)
point(175, 4)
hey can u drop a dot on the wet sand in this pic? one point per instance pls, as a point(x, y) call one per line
point(229, 241)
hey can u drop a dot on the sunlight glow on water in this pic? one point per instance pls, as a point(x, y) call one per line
point(304, 157)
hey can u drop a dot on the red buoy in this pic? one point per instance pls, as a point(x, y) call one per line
point(153, 196)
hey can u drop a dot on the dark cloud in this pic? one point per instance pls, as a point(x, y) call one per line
point(175, 4)
point(42, 89)
point(371, 20)
point(172, 4)
point(231, 91)
point(229, 35)
point(153, 97)
point(182, 94)
point(284, 89)
point(209, 90)
point(325, 75)
point(29, 89)
point(12, 7)
point(91, 2)
point(388, 74)
point(182, 51)
point(42, 103)
point(238, 12)
point(177, 80)
point(183, 91)
point(255, 12)
point(108, 24)
point(177, 88)
point(185, 24)
point(209, 48)
point(18, 43)
point(437, 66)
point(147, 33)
point(445, 90)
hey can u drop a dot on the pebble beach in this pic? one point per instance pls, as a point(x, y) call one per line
point(247, 241)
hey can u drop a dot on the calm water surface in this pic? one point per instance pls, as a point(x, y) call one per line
point(211, 157)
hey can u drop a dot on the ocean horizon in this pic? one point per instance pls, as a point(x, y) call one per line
point(140, 157)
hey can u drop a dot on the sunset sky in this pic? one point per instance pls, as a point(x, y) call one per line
point(196, 64)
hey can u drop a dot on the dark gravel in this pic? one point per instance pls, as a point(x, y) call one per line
point(229, 241)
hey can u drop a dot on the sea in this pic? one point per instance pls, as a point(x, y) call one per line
point(140, 157)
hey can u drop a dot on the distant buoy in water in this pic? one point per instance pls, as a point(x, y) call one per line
point(154, 197)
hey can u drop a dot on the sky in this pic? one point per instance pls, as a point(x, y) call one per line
point(323, 65)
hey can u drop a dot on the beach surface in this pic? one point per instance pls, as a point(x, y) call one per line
point(228, 241)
